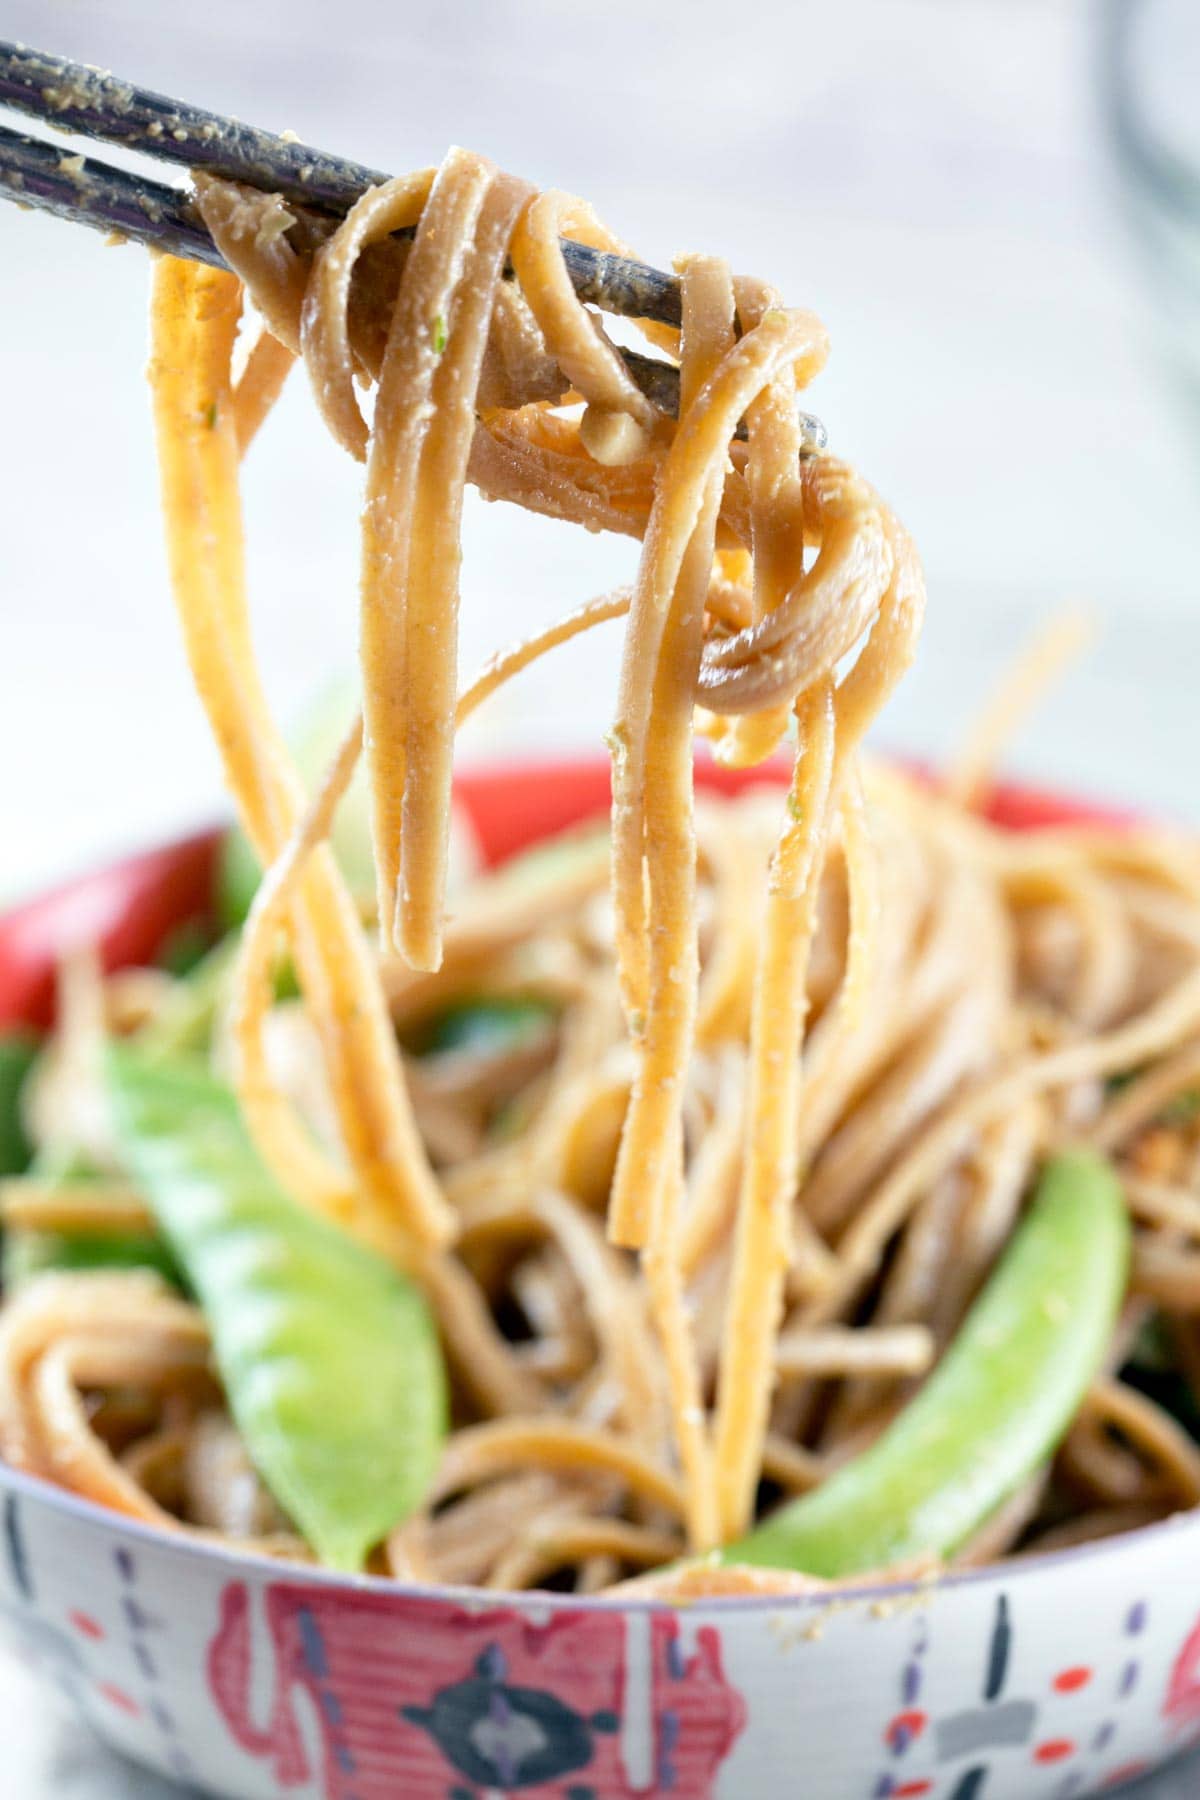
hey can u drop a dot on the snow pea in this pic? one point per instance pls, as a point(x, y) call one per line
point(18, 1051)
point(329, 1355)
point(486, 1026)
point(186, 1021)
point(551, 859)
point(993, 1409)
point(28, 1253)
point(185, 948)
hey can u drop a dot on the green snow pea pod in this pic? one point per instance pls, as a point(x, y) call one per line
point(486, 1026)
point(28, 1253)
point(185, 1023)
point(18, 1052)
point(994, 1408)
point(577, 850)
point(329, 1356)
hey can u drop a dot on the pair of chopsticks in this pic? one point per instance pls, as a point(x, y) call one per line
point(93, 104)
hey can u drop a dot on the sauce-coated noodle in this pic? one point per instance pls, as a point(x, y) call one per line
point(803, 1062)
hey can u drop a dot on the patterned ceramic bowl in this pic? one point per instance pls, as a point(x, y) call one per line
point(1037, 1680)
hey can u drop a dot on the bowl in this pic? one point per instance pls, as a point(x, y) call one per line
point(1039, 1679)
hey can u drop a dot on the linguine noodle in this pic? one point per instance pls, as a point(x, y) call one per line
point(692, 1240)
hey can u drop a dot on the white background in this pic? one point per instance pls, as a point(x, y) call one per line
point(929, 175)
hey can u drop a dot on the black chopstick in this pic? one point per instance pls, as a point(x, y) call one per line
point(48, 177)
point(92, 103)
point(97, 104)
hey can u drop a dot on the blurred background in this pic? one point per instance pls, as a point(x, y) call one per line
point(993, 204)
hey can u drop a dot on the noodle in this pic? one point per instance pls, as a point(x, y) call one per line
point(761, 1251)
point(768, 1109)
point(1054, 647)
point(194, 319)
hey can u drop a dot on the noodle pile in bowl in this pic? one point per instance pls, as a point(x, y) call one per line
point(776, 1072)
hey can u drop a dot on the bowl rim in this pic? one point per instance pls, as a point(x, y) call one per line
point(1014, 801)
point(38, 1490)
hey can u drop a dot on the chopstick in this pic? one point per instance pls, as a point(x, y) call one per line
point(46, 176)
point(92, 103)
